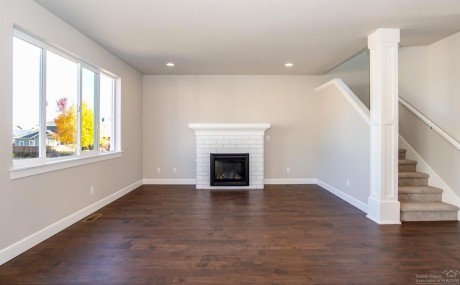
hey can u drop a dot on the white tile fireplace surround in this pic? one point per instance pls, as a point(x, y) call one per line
point(230, 138)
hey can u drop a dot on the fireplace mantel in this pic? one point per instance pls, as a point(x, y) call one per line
point(226, 127)
point(230, 138)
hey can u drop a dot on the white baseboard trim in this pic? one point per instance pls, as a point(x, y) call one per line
point(290, 181)
point(21, 246)
point(342, 195)
point(383, 222)
point(435, 180)
point(170, 181)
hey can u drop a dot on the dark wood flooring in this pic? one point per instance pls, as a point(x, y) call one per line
point(280, 235)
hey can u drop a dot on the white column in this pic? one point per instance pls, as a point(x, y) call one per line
point(383, 204)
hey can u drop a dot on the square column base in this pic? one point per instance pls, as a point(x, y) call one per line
point(383, 212)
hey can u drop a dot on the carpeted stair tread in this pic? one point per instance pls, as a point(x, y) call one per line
point(413, 175)
point(401, 150)
point(427, 207)
point(412, 178)
point(419, 190)
point(407, 165)
point(407, 161)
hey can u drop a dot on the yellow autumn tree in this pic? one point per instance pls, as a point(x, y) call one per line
point(87, 127)
point(66, 124)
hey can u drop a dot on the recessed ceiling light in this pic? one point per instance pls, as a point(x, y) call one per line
point(289, 64)
point(170, 64)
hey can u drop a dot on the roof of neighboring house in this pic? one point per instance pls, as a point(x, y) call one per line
point(28, 134)
point(24, 134)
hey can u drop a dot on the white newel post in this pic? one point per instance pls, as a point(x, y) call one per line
point(383, 204)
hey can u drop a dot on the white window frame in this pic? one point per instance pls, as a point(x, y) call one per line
point(96, 109)
point(32, 142)
point(32, 166)
point(21, 143)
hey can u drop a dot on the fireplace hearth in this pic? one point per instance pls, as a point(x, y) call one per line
point(229, 169)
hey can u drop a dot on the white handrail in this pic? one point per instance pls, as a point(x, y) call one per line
point(432, 125)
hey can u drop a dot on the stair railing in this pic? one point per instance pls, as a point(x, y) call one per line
point(432, 125)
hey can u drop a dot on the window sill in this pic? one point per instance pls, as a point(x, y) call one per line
point(49, 166)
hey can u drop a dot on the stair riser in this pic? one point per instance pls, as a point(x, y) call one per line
point(429, 216)
point(402, 155)
point(413, 181)
point(407, 168)
point(420, 197)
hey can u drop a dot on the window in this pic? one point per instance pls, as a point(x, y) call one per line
point(27, 76)
point(61, 104)
point(64, 102)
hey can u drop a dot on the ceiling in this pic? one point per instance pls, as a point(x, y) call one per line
point(250, 36)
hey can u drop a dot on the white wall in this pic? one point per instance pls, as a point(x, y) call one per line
point(286, 102)
point(343, 154)
point(30, 204)
point(429, 79)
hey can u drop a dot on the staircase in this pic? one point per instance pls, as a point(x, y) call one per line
point(420, 202)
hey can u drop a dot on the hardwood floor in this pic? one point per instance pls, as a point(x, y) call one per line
point(280, 235)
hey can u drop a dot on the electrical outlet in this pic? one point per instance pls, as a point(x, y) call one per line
point(91, 190)
point(288, 170)
point(174, 170)
point(348, 182)
point(158, 170)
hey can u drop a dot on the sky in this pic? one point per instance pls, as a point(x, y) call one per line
point(61, 82)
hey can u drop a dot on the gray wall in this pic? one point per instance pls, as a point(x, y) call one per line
point(30, 204)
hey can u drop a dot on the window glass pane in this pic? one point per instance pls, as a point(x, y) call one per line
point(88, 83)
point(61, 108)
point(26, 99)
point(106, 119)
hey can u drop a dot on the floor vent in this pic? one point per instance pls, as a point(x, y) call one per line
point(91, 218)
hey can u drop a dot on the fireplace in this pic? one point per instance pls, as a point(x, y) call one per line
point(229, 169)
point(229, 139)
